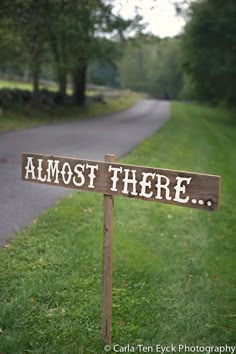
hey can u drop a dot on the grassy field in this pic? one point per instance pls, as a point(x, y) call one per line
point(174, 267)
point(11, 84)
point(20, 116)
point(15, 84)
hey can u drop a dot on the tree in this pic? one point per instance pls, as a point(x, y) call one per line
point(103, 73)
point(94, 20)
point(152, 65)
point(210, 50)
point(168, 80)
point(59, 29)
point(73, 31)
point(102, 68)
point(76, 35)
point(25, 26)
point(12, 53)
point(36, 42)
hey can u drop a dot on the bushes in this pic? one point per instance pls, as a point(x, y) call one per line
point(9, 96)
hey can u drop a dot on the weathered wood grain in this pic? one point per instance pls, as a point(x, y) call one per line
point(181, 188)
point(107, 263)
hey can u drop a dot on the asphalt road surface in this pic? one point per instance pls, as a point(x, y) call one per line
point(21, 202)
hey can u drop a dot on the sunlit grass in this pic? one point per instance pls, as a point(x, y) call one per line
point(11, 84)
point(25, 115)
point(15, 84)
point(174, 267)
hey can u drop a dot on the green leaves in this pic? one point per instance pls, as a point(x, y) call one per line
point(210, 50)
point(152, 65)
point(61, 36)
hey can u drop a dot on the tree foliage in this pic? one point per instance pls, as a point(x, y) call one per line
point(152, 65)
point(67, 33)
point(210, 50)
point(103, 73)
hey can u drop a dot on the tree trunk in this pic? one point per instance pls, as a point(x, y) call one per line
point(62, 80)
point(36, 48)
point(36, 72)
point(26, 74)
point(79, 84)
point(62, 67)
point(58, 45)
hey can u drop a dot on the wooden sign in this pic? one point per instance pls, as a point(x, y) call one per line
point(188, 189)
point(194, 190)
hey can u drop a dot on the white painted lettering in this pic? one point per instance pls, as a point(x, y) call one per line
point(181, 189)
point(53, 171)
point(79, 175)
point(40, 168)
point(92, 175)
point(30, 168)
point(164, 185)
point(114, 178)
point(146, 184)
point(128, 181)
point(69, 173)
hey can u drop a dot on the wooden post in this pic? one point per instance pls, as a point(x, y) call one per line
point(107, 263)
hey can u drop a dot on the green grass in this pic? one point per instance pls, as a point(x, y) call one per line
point(20, 116)
point(174, 267)
point(26, 116)
point(10, 84)
point(15, 84)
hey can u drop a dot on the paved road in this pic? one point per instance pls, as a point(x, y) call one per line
point(118, 133)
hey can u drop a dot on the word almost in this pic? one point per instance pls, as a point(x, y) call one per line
point(167, 186)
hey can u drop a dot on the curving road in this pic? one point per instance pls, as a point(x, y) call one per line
point(117, 134)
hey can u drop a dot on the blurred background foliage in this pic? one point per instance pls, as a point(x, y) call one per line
point(79, 42)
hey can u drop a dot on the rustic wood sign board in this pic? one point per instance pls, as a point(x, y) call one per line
point(194, 190)
point(188, 189)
